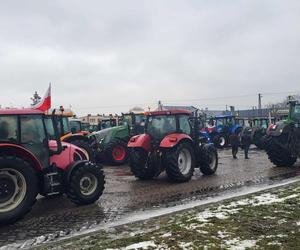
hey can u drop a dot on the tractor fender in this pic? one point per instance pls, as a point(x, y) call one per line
point(72, 167)
point(16, 150)
point(140, 141)
point(172, 140)
point(74, 137)
point(278, 129)
point(234, 128)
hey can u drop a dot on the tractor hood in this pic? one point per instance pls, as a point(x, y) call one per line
point(105, 135)
point(70, 154)
point(278, 128)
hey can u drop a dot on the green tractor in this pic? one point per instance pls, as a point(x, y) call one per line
point(283, 139)
point(259, 127)
point(112, 142)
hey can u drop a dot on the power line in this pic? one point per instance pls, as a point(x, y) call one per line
point(173, 101)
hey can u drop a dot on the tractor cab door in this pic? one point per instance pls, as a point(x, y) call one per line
point(139, 124)
point(33, 137)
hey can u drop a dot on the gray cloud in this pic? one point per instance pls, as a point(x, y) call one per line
point(102, 55)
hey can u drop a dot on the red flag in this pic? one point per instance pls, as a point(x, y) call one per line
point(45, 103)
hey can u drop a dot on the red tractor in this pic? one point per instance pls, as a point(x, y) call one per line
point(171, 142)
point(32, 164)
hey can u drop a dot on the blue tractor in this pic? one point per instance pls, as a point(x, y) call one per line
point(223, 127)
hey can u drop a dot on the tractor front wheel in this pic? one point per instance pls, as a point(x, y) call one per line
point(209, 163)
point(139, 164)
point(116, 152)
point(220, 141)
point(180, 162)
point(18, 188)
point(86, 184)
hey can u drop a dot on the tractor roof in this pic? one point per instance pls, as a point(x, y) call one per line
point(15, 111)
point(224, 116)
point(169, 112)
point(65, 113)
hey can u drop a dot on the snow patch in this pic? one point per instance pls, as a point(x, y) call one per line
point(237, 244)
point(185, 246)
point(141, 245)
point(207, 214)
point(166, 235)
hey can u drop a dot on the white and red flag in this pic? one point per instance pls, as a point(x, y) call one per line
point(45, 103)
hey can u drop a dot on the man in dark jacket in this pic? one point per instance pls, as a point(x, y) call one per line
point(246, 141)
point(234, 142)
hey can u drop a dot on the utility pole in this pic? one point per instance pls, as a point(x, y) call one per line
point(259, 103)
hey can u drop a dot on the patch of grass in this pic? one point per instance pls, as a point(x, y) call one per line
point(249, 221)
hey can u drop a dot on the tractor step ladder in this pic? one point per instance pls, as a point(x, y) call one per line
point(54, 181)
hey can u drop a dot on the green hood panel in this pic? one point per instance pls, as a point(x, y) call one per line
point(108, 134)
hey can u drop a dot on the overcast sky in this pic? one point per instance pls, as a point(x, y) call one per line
point(105, 56)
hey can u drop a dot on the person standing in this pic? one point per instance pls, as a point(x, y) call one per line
point(246, 142)
point(234, 142)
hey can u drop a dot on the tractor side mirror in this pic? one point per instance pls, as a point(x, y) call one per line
point(56, 133)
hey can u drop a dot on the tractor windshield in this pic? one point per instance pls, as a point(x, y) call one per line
point(75, 126)
point(32, 129)
point(65, 125)
point(50, 127)
point(265, 123)
point(126, 120)
point(295, 113)
point(161, 125)
point(85, 126)
point(8, 128)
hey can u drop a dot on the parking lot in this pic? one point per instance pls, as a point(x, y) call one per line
point(124, 194)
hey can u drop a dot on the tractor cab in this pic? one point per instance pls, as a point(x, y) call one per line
point(27, 128)
point(294, 112)
point(77, 126)
point(107, 123)
point(161, 123)
point(261, 122)
point(135, 122)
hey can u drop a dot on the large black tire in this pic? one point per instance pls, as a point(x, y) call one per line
point(260, 144)
point(86, 146)
point(220, 141)
point(86, 184)
point(116, 152)
point(180, 162)
point(139, 166)
point(14, 170)
point(278, 154)
point(209, 162)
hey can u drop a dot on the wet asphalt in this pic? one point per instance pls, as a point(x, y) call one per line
point(57, 217)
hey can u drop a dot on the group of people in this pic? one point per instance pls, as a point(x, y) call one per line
point(245, 142)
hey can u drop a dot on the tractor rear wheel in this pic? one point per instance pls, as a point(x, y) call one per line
point(86, 146)
point(116, 152)
point(260, 143)
point(139, 165)
point(180, 163)
point(278, 153)
point(18, 188)
point(209, 163)
point(86, 184)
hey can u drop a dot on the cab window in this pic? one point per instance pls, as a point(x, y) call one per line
point(9, 128)
point(32, 129)
point(184, 124)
